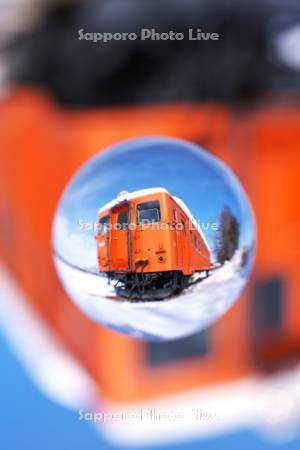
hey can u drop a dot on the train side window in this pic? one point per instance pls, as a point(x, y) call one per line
point(183, 227)
point(195, 241)
point(192, 237)
point(267, 304)
point(122, 220)
point(195, 346)
point(148, 212)
point(103, 226)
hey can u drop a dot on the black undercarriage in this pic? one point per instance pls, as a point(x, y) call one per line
point(149, 286)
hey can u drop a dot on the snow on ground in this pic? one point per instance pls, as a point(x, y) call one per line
point(196, 308)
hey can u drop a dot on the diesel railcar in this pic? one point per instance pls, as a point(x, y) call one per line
point(149, 242)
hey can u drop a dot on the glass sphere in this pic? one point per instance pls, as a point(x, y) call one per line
point(154, 237)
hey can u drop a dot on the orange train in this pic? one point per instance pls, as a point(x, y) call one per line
point(251, 143)
point(150, 243)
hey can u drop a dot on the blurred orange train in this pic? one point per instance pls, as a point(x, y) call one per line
point(149, 241)
point(261, 144)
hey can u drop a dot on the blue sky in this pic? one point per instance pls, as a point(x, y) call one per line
point(186, 171)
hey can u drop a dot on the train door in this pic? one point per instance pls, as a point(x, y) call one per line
point(120, 239)
point(182, 240)
point(102, 242)
point(179, 239)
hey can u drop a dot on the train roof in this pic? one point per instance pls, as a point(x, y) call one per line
point(124, 195)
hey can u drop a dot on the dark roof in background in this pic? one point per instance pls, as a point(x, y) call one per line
point(77, 72)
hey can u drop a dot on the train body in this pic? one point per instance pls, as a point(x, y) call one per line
point(149, 241)
point(262, 329)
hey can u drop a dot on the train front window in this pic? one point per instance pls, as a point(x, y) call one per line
point(103, 226)
point(148, 212)
point(122, 220)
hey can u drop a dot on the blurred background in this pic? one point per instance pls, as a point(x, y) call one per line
point(234, 385)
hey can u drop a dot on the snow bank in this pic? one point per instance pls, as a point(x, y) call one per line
point(196, 308)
